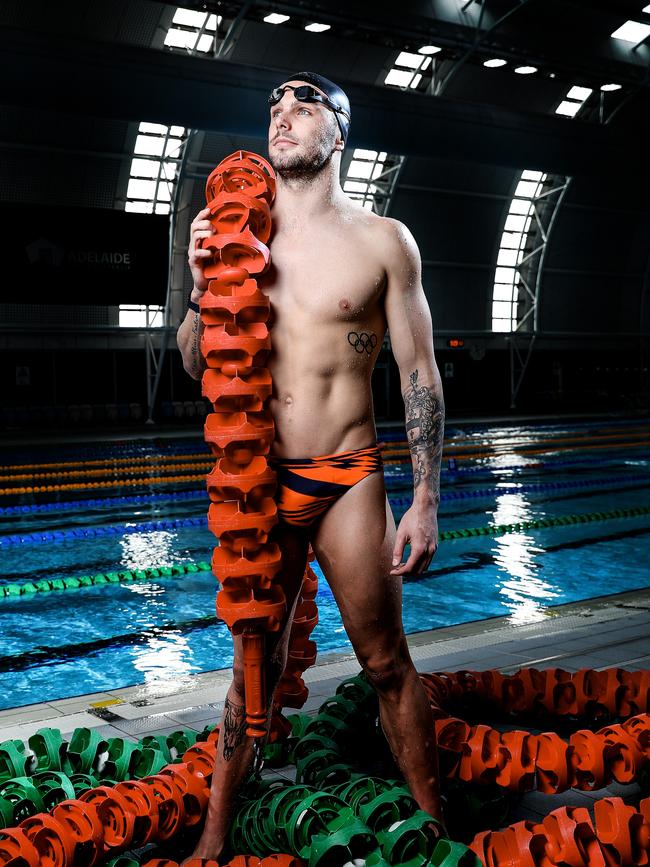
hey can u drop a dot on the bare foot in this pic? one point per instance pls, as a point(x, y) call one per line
point(198, 860)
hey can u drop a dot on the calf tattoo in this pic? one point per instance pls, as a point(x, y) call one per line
point(234, 727)
point(425, 418)
point(362, 341)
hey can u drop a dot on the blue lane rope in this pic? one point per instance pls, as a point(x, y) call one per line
point(137, 500)
point(41, 537)
point(143, 499)
point(96, 532)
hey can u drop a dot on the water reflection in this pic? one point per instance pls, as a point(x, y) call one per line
point(515, 555)
point(147, 550)
point(165, 659)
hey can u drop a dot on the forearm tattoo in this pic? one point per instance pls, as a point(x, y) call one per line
point(425, 420)
point(196, 336)
point(234, 727)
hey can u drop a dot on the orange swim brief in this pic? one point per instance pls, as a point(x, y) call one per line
point(307, 487)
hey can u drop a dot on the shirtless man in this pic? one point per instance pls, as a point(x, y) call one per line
point(339, 276)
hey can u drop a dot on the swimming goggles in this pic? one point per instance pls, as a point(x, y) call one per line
point(307, 93)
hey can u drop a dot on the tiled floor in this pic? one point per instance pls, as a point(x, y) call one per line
point(600, 633)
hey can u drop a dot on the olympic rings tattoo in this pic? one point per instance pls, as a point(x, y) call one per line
point(362, 341)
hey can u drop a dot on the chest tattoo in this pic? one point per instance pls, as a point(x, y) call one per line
point(361, 341)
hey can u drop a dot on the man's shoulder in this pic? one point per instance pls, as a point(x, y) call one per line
point(386, 229)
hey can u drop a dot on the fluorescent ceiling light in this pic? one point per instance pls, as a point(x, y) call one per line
point(429, 49)
point(496, 61)
point(276, 18)
point(317, 28)
point(579, 92)
point(611, 87)
point(525, 70)
point(632, 31)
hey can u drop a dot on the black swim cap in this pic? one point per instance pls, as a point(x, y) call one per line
point(336, 95)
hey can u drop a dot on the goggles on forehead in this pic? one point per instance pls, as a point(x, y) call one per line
point(307, 93)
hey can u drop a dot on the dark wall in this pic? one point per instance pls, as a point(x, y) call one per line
point(558, 380)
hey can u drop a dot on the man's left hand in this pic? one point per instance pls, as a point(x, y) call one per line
point(419, 527)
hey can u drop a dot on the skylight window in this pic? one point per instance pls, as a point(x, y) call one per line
point(507, 278)
point(568, 108)
point(407, 70)
point(573, 101)
point(192, 30)
point(405, 58)
point(317, 28)
point(399, 77)
point(154, 168)
point(607, 87)
point(365, 167)
point(140, 316)
point(494, 62)
point(632, 31)
point(525, 70)
point(276, 18)
point(429, 49)
point(580, 93)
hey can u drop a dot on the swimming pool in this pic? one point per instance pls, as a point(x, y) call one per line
point(161, 630)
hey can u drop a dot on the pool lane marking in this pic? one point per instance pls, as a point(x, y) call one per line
point(165, 480)
point(47, 653)
point(580, 488)
point(30, 589)
point(147, 525)
point(387, 445)
point(207, 465)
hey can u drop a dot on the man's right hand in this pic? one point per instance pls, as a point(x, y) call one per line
point(201, 227)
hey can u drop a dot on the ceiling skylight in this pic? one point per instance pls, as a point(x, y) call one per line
point(154, 167)
point(573, 101)
point(407, 70)
point(496, 61)
point(632, 31)
point(317, 28)
point(192, 30)
point(276, 18)
point(365, 167)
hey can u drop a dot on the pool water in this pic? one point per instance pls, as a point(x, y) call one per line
point(160, 632)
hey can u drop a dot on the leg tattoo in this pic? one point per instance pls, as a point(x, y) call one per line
point(234, 727)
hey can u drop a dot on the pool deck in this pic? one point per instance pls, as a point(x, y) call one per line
point(608, 631)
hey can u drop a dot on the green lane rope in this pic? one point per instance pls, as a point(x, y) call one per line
point(29, 588)
point(127, 576)
point(538, 523)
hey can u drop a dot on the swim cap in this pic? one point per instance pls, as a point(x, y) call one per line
point(337, 96)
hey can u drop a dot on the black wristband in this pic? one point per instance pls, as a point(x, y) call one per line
point(192, 305)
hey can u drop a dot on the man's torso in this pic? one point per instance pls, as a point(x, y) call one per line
point(326, 285)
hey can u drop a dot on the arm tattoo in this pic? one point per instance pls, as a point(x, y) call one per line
point(234, 727)
point(195, 342)
point(425, 419)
